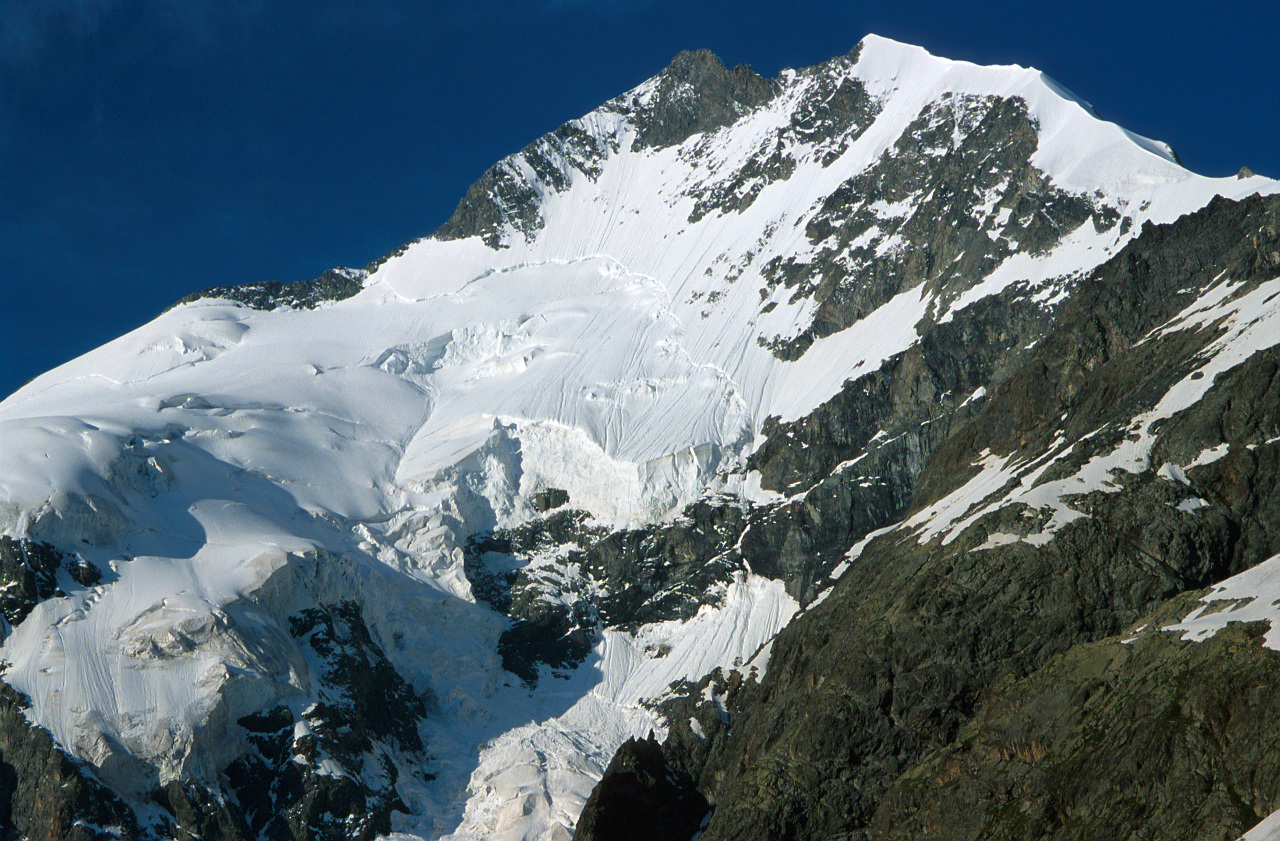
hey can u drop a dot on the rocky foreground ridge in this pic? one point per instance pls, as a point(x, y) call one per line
point(880, 450)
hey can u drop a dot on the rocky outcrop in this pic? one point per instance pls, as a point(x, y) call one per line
point(506, 198)
point(45, 795)
point(661, 803)
point(29, 574)
point(851, 466)
point(696, 94)
point(953, 199)
point(1153, 737)
point(1143, 286)
point(325, 772)
point(334, 285)
point(330, 772)
point(566, 578)
point(833, 111)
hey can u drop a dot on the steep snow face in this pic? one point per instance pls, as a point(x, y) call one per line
point(609, 314)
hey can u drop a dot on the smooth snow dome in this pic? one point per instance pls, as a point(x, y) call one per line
point(231, 466)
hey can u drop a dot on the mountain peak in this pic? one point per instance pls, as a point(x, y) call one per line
point(696, 93)
point(691, 65)
point(303, 535)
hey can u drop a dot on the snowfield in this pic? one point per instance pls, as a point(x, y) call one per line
point(227, 467)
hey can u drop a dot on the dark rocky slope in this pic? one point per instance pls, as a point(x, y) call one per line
point(31, 572)
point(1184, 731)
point(894, 665)
point(662, 802)
point(46, 795)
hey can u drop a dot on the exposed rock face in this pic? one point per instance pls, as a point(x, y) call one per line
point(333, 285)
point(977, 349)
point(1150, 280)
point(697, 94)
point(47, 796)
point(503, 198)
point(29, 575)
point(568, 579)
point(328, 773)
point(833, 113)
point(1181, 733)
point(896, 662)
point(851, 466)
point(647, 799)
point(954, 197)
point(550, 498)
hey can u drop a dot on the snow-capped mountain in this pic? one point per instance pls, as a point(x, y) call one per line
point(413, 550)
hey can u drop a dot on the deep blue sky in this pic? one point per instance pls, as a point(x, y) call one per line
point(150, 148)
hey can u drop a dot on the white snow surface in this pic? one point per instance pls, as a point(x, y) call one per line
point(232, 466)
point(1251, 596)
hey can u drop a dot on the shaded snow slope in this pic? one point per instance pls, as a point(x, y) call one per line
point(227, 467)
